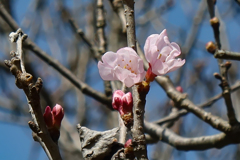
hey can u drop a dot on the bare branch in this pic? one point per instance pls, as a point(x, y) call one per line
point(182, 101)
point(139, 142)
point(222, 67)
point(86, 89)
point(222, 54)
point(32, 90)
point(200, 143)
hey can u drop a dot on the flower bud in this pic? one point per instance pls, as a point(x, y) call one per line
point(128, 149)
point(124, 104)
point(179, 89)
point(214, 22)
point(48, 117)
point(128, 143)
point(127, 103)
point(58, 115)
point(53, 120)
point(117, 99)
point(211, 47)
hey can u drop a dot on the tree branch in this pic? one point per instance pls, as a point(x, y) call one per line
point(24, 81)
point(139, 142)
point(222, 54)
point(86, 89)
point(182, 101)
point(222, 67)
point(181, 143)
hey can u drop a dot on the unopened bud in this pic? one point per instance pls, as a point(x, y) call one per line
point(127, 102)
point(228, 64)
point(217, 75)
point(128, 149)
point(117, 99)
point(124, 104)
point(58, 115)
point(211, 47)
point(214, 22)
point(48, 117)
point(179, 89)
point(53, 120)
point(128, 143)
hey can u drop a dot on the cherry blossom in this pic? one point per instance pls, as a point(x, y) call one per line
point(161, 54)
point(124, 65)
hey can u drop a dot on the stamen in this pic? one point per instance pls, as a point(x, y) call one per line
point(130, 61)
point(159, 56)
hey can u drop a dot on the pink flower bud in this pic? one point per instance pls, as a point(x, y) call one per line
point(58, 115)
point(128, 150)
point(128, 143)
point(117, 99)
point(48, 117)
point(122, 102)
point(127, 103)
point(53, 120)
point(179, 89)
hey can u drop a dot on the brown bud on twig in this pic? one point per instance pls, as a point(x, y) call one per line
point(211, 47)
point(217, 75)
point(228, 64)
point(214, 22)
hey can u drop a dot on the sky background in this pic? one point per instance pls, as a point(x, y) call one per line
point(16, 139)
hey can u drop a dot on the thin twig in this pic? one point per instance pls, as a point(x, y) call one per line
point(181, 143)
point(118, 8)
point(24, 81)
point(222, 67)
point(86, 89)
point(183, 102)
point(206, 104)
point(139, 142)
point(222, 54)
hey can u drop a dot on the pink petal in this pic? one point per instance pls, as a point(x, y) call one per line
point(176, 46)
point(162, 40)
point(106, 72)
point(159, 68)
point(175, 64)
point(109, 58)
point(140, 66)
point(121, 73)
point(129, 81)
point(126, 51)
point(173, 54)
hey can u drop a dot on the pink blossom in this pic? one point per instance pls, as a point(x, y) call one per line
point(124, 65)
point(161, 54)
point(122, 102)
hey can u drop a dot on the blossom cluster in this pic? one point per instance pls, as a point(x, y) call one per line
point(126, 66)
